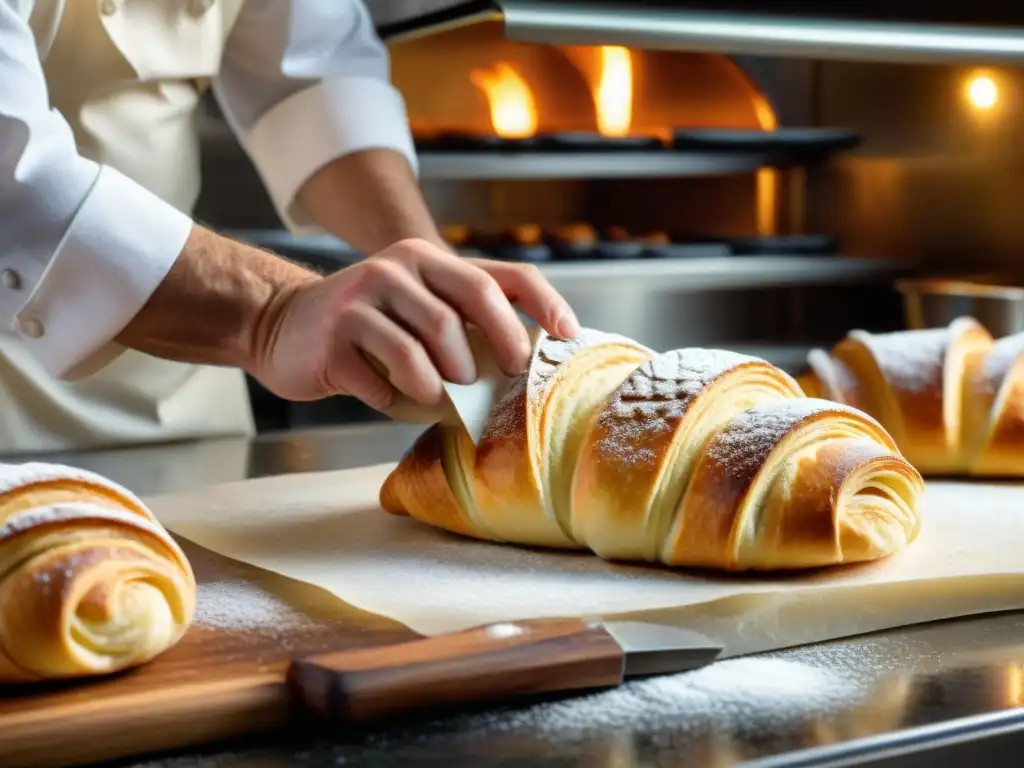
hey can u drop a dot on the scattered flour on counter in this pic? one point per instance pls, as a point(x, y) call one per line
point(230, 605)
point(735, 692)
point(675, 713)
point(868, 659)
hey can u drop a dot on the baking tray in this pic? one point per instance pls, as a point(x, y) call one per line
point(804, 144)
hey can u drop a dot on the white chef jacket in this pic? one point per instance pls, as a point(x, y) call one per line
point(99, 169)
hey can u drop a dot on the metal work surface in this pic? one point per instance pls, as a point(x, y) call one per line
point(766, 708)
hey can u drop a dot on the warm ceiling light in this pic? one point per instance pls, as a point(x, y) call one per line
point(513, 111)
point(614, 93)
point(982, 92)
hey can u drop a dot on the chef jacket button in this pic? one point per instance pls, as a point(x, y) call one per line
point(32, 327)
point(11, 279)
point(108, 7)
point(199, 7)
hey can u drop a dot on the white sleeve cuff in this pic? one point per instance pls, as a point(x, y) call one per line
point(119, 248)
point(304, 132)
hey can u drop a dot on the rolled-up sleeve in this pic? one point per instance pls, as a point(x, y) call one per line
point(303, 83)
point(82, 247)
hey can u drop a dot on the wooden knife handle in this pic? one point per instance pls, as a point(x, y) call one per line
point(486, 664)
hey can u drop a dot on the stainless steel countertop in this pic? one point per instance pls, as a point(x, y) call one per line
point(951, 677)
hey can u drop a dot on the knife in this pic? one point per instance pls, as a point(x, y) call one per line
point(490, 664)
point(467, 404)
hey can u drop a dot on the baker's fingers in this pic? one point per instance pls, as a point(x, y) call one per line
point(527, 287)
point(351, 374)
point(410, 369)
point(437, 326)
point(480, 300)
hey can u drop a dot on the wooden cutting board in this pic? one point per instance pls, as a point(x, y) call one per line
point(226, 677)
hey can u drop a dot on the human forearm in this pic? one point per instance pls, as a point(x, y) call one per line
point(216, 303)
point(369, 199)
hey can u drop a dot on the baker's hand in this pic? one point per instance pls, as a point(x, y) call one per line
point(406, 307)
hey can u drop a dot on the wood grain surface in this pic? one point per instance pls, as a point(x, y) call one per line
point(226, 678)
point(485, 664)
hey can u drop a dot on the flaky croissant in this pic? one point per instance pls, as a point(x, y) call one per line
point(952, 398)
point(90, 582)
point(695, 457)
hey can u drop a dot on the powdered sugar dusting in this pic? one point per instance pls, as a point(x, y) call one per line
point(24, 521)
point(14, 476)
point(693, 365)
point(744, 444)
point(510, 411)
point(236, 606)
point(550, 354)
point(911, 361)
point(75, 511)
point(553, 353)
point(998, 361)
point(654, 398)
point(57, 575)
point(835, 375)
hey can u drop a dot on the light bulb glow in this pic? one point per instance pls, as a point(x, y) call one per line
point(982, 92)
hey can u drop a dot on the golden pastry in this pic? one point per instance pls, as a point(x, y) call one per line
point(695, 457)
point(90, 582)
point(953, 398)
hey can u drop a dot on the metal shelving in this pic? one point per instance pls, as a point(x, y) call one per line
point(589, 165)
point(687, 274)
point(720, 272)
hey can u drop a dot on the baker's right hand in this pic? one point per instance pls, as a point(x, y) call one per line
point(407, 308)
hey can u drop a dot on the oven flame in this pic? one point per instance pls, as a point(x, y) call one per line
point(513, 110)
point(613, 96)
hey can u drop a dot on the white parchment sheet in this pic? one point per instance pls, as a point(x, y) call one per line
point(328, 530)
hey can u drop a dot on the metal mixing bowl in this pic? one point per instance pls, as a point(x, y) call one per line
point(933, 303)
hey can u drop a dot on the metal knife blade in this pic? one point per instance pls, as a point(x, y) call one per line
point(470, 405)
point(659, 649)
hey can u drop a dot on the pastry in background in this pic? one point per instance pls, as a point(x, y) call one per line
point(90, 582)
point(573, 241)
point(695, 457)
point(952, 398)
point(456, 235)
point(577, 233)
